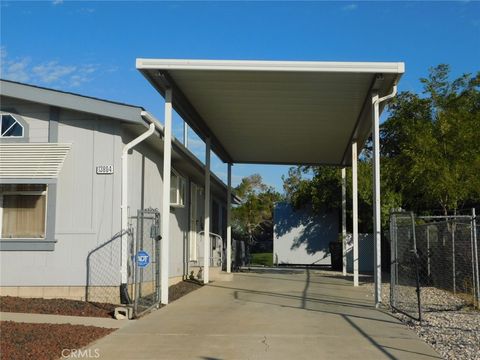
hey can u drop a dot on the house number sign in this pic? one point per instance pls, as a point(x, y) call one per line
point(104, 169)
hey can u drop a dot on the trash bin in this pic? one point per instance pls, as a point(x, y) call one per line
point(336, 255)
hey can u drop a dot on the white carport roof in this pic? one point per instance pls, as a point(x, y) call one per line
point(275, 112)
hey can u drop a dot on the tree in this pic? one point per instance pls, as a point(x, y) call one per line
point(430, 147)
point(253, 218)
point(320, 187)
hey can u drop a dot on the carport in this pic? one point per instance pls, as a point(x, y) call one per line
point(276, 112)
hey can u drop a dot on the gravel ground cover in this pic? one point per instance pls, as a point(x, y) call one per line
point(449, 324)
point(45, 341)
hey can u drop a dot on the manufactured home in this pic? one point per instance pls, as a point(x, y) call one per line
point(81, 184)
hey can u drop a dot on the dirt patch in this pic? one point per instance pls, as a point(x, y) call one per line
point(55, 306)
point(45, 341)
point(182, 288)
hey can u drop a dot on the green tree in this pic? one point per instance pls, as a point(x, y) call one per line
point(430, 146)
point(318, 186)
point(253, 218)
point(321, 188)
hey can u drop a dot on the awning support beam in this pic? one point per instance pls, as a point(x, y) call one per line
point(377, 224)
point(167, 169)
point(355, 211)
point(229, 218)
point(206, 234)
point(344, 222)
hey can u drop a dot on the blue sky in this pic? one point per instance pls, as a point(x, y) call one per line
point(90, 47)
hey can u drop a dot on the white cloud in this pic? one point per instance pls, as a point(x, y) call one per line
point(52, 71)
point(16, 70)
point(49, 73)
point(57, 2)
point(350, 7)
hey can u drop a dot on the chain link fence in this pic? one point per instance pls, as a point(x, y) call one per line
point(434, 263)
point(103, 269)
point(143, 266)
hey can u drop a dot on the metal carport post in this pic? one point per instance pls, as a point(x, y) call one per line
point(344, 222)
point(377, 224)
point(229, 218)
point(206, 215)
point(167, 169)
point(355, 212)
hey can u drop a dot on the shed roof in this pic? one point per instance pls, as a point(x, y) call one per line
point(275, 112)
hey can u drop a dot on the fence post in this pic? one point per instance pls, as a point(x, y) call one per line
point(417, 274)
point(453, 258)
point(137, 279)
point(475, 245)
point(393, 258)
point(474, 278)
point(428, 250)
point(412, 217)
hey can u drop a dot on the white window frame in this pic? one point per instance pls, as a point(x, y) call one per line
point(16, 122)
point(180, 186)
point(39, 192)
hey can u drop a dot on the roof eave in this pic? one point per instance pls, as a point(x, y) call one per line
point(71, 101)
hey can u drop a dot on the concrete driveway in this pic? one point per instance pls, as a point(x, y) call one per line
point(281, 315)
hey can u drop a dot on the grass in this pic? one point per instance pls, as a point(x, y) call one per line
point(265, 259)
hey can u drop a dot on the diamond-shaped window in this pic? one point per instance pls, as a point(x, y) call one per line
point(10, 127)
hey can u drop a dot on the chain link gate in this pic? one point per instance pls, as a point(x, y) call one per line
point(404, 268)
point(144, 270)
point(434, 263)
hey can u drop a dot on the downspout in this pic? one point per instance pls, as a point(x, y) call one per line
point(124, 297)
point(389, 96)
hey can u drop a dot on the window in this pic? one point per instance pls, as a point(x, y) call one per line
point(10, 127)
point(23, 211)
point(177, 189)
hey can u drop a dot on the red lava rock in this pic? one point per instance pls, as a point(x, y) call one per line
point(45, 341)
point(81, 308)
point(182, 288)
point(55, 306)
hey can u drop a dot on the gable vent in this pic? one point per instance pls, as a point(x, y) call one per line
point(32, 160)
